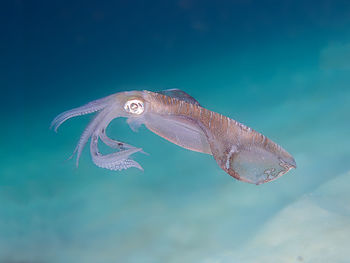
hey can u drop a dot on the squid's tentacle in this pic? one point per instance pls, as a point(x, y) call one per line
point(90, 129)
point(88, 108)
point(113, 161)
point(114, 143)
point(109, 110)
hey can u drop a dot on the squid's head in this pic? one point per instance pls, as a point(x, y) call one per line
point(132, 105)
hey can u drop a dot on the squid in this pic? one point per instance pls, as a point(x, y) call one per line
point(240, 151)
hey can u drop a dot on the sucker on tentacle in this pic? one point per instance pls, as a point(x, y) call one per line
point(114, 161)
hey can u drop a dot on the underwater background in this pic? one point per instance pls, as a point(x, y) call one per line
point(280, 67)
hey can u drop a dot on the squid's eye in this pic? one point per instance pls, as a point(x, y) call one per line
point(134, 106)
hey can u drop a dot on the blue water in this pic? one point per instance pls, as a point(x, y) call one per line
point(280, 67)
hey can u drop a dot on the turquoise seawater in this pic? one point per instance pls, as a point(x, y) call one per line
point(280, 67)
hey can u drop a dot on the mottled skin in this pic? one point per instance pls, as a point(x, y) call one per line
point(222, 132)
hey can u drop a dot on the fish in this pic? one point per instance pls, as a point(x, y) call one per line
point(176, 116)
